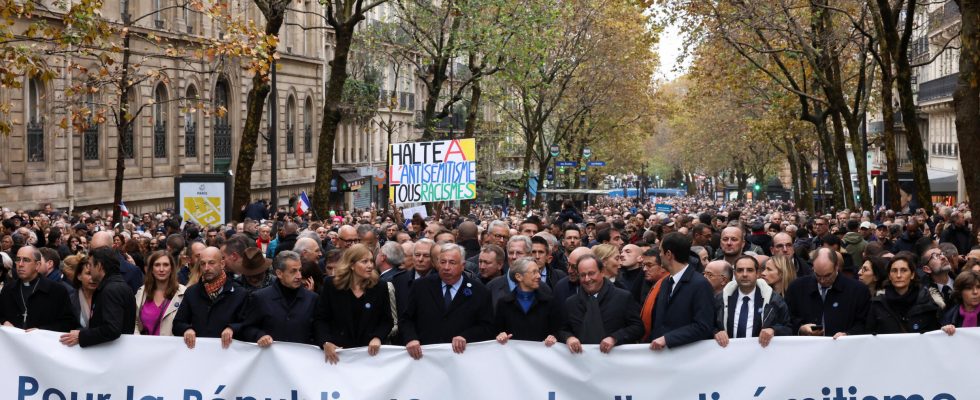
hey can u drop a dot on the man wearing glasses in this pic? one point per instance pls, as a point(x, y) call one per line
point(347, 237)
point(32, 301)
point(827, 304)
point(782, 245)
point(938, 269)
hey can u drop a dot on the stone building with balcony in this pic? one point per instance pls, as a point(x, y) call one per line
point(45, 163)
point(936, 39)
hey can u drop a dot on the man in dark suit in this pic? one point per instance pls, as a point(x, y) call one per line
point(748, 307)
point(282, 311)
point(600, 313)
point(541, 252)
point(114, 311)
point(447, 307)
point(827, 304)
point(684, 311)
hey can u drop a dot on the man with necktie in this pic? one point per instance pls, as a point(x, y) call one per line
point(447, 307)
point(826, 303)
point(684, 311)
point(748, 307)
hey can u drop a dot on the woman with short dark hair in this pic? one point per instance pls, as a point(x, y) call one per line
point(904, 305)
point(966, 294)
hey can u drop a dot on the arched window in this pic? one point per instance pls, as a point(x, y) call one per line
point(90, 138)
point(127, 138)
point(222, 127)
point(35, 121)
point(158, 6)
point(290, 125)
point(308, 126)
point(190, 123)
point(270, 130)
point(160, 121)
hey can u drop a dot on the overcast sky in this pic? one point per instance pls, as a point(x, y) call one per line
point(669, 48)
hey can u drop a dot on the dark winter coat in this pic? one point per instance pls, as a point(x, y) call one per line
point(113, 312)
point(543, 318)
point(923, 316)
point(208, 318)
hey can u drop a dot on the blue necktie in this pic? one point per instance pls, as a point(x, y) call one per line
point(449, 296)
point(743, 318)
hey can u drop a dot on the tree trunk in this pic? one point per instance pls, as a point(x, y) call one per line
point(888, 132)
point(967, 98)
point(526, 177)
point(123, 125)
point(472, 114)
point(794, 170)
point(917, 151)
point(542, 171)
point(831, 166)
point(840, 151)
point(806, 189)
point(332, 116)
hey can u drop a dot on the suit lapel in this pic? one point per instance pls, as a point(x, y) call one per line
point(732, 302)
point(460, 295)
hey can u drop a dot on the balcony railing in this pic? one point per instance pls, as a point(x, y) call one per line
point(938, 88)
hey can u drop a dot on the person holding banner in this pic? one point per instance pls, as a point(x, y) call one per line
point(113, 307)
point(213, 307)
point(353, 309)
point(282, 311)
point(601, 313)
point(447, 307)
point(965, 311)
point(904, 305)
point(157, 301)
point(528, 313)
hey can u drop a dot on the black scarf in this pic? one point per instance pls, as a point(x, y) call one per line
point(593, 330)
point(899, 303)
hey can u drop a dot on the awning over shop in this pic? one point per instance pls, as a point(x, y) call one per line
point(942, 181)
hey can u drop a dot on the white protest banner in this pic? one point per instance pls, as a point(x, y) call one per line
point(424, 172)
point(888, 367)
point(410, 212)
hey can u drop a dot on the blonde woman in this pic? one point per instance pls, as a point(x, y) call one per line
point(159, 298)
point(778, 272)
point(353, 309)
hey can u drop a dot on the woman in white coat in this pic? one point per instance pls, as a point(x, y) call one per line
point(159, 298)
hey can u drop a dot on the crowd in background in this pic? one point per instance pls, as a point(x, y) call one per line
point(609, 273)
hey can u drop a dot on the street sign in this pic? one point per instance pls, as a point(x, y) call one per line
point(597, 163)
point(551, 176)
point(554, 150)
point(587, 152)
point(567, 163)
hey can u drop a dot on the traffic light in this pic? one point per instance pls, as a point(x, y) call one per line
point(523, 201)
point(757, 187)
point(561, 170)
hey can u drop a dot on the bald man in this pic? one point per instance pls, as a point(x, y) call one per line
point(346, 237)
point(569, 285)
point(131, 274)
point(718, 273)
point(213, 308)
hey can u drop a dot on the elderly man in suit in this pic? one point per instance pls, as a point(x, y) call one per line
point(447, 307)
point(684, 311)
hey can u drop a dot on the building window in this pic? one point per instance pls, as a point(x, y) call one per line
point(290, 125)
point(35, 122)
point(127, 137)
point(160, 122)
point(90, 138)
point(158, 13)
point(308, 126)
point(190, 124)
point(270, 131)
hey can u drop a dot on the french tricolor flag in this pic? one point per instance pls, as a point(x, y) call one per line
point(304, 204)
point(123, 210)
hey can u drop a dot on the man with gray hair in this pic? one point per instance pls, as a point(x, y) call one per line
point(308, 250)
point(389, 258)
point(282, 311)
point(447, 307)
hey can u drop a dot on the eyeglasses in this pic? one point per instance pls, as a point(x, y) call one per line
point(23, 260)
point(937, 255)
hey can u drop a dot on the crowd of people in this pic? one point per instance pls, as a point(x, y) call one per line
point(610, 273)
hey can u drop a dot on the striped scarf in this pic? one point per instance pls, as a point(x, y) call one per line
point(213, 288)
